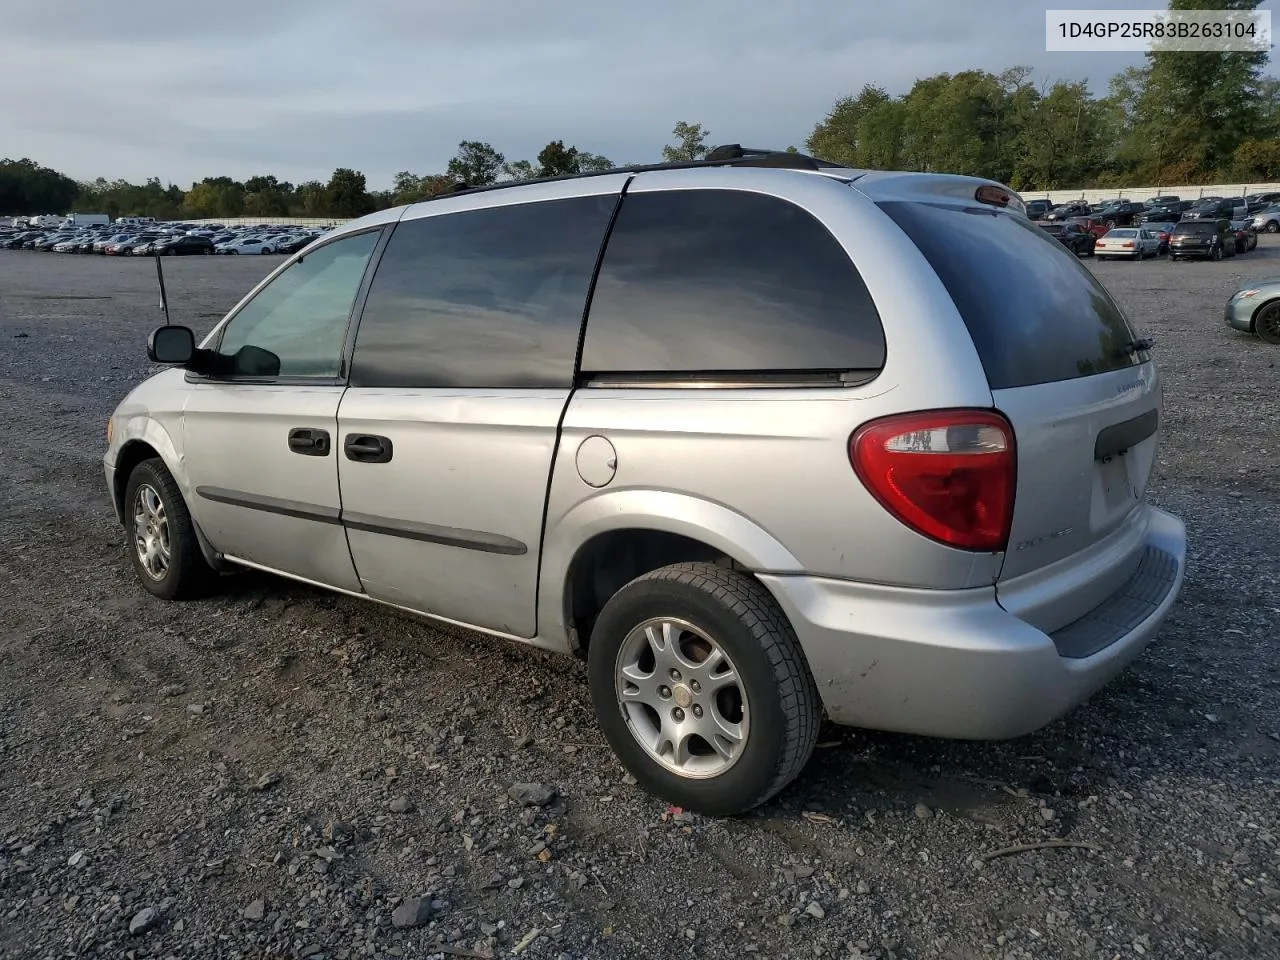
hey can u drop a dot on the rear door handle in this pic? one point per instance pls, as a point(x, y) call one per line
point(309, 441)
point(367, 448)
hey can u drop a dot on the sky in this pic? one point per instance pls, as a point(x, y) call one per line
point(295, 88)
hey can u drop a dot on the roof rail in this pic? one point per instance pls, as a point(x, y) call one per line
point(726, 155)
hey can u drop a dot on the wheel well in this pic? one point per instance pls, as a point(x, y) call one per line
point(133, 453)
point(609, 561)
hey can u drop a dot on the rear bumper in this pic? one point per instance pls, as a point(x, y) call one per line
point(955, 663)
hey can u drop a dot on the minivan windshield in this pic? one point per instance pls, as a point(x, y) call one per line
point(1034, 312)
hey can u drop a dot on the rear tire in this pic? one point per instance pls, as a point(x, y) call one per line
point(1266, 323)
point(702, 620)
point(161, 537)
point(1273, 226)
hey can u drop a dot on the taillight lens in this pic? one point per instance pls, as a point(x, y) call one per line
point(947, 474)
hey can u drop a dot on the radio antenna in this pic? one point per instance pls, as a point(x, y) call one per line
point(164, 300)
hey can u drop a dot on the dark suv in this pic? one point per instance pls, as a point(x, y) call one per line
point(1121, 214)
point(1202, 239)
point(1217, 208)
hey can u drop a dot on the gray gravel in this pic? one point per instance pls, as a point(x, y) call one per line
point(357, 783)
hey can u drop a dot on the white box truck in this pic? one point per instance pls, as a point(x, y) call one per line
point(88, 220)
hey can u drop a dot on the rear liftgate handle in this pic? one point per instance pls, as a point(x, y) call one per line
point(367, 448)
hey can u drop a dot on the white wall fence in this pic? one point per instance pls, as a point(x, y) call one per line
point(1138, 194)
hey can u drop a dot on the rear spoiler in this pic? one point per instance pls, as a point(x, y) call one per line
point(883, 186)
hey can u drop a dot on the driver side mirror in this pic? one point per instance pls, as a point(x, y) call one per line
point(171, 344)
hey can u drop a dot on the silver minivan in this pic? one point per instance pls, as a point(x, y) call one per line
point(759, 437)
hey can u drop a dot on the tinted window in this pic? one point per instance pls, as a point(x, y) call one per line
point(485, 298)
point(1035, 313)
point(297, 324)
point(1201, 228)
point(725, 280)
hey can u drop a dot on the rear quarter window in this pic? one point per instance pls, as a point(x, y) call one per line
point(1034, 312)
point(713, 281)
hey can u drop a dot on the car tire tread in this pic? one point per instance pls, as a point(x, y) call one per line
point(766, 627)
point(189, 576)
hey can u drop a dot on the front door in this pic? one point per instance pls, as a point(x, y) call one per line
point(463, 365)
point(259, 431)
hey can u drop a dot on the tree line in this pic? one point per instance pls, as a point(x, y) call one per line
point(1181, 118)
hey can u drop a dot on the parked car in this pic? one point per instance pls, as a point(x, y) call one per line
point(247, 245)
point(1217, 208)
point(1257, 201)
point(1036, 209)
point(1246, 236)
point(1202, 239)
point(1163, 232)
point(1120, 214)
point(1167, 212)
point(183, 246)
point(1267, 219)
point(1255, 308)
point(1071, 235)
point(947, 531)
point(1065, 211)
point(1095, 226)
point(293, 244)
point(1132, 243)
point(1161, 200)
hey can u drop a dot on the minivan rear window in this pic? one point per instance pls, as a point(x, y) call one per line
point(1035, 313)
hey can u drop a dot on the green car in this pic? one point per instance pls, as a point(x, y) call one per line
point(1255, 308)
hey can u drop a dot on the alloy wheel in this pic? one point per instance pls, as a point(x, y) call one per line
point(682, 698)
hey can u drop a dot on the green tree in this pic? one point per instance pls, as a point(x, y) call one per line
point(406, 187)
point(519, 170)
point(26, 187)
point(1197, 106)
point(1257, 160)
point(690, 143)
point(265, 196)
point(593, 162)
point(838, 136)
point(476, 164)
point(312, 199)
point(347, 195)
point(556, 160)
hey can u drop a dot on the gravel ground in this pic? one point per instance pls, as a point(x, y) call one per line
point(281, 773)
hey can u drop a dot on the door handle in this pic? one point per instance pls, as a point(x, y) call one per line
point(367, 448)
point(309, 441)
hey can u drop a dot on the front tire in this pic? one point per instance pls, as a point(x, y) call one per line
point(162, 539)
point(1267, 323)
point(1273, 226)
point(701, 688)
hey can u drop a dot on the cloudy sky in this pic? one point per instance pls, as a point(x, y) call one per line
point(138, 88)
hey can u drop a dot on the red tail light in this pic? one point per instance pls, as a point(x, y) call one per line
point(947, 474)
point(1127, 244)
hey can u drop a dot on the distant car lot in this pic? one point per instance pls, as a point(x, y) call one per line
point(136, 735)
point(163, 238)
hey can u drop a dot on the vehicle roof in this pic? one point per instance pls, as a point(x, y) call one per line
point(754, 167)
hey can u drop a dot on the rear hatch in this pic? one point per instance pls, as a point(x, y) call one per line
point(1195, 234)
point(1065, 368)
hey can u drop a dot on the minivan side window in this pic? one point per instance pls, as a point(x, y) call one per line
point(297, 324)
point(705, 281)
point(488, 298)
